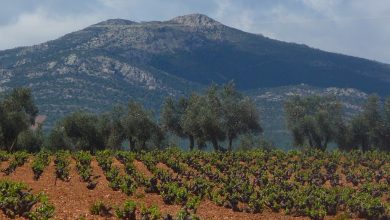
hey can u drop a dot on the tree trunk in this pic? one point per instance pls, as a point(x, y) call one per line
point(192, 142)
point(215, 144)
point(310, 142)
point(132, 144)
point(12, 146)
point(230, 148)
point(364, 145)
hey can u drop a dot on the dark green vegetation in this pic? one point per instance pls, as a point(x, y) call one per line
point(213, 117)
point(128, 211)
point(62, 162)
point(17, 200)
point(219, 116)
point(18, 159)
point(318, 121)
point(116, 60)
point(17, 114)
point(41, 161)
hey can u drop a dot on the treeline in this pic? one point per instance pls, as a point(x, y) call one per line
point(217, 117)
point(220, 114)
point(318, 121)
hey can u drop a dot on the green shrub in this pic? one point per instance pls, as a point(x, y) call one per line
point(43, 211)
point(127, 211)
point(104, 159)
point(184, 214)
point(99, 208)
point(152, 213)
point(62, 163)
point(115, 180)
point(41, 160)
point(18, 160)
point(4, 156)
point(173, 194)
point(17, 200)
point(83, 165)
point(128, 185)
point(366, 206)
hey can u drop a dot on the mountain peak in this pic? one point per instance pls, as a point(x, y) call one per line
point(195, 20)
point(113, 22)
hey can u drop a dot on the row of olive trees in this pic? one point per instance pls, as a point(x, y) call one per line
point(318, 121)
point(218, 115)
point(87, 131)
point(77, 131)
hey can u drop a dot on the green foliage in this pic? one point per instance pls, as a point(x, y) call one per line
point(295, 182)
point(313, 120)
point(62, 162)
point(125, 157)
point(218, 115)
point(369, 129)
point(83, 165)
point(115, 180)
point(127, 211)
point(128, 185)
point(17, 114)
point(193, 203)
point(139, 126)
point(30, 140)
point(152, 213)
point(256, 203)
point(4, 156)
point(104, 159)
point(16, 200)
point(366, 206)
point(93, 132)
point(81, 132)
point(43, 211)
point(18, 160)
point(99, 208)
point(173, 194)
point(41, 160)
point(184, 214)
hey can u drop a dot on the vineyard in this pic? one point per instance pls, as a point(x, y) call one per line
point(174, 184)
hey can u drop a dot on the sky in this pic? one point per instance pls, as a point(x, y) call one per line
point(354, 27)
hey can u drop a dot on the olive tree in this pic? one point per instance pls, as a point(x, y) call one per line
point(79, 131)
point(172, 115)
point(218, 115)
point(313, 120)
point(17, 115)
point(191, 121)
point(139, 126)
point(240, 114)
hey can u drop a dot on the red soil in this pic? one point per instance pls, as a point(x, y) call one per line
point(72, 199)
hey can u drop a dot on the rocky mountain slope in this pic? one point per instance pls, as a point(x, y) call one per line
point(117, 60)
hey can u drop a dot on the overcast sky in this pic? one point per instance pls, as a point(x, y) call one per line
point(355, 27)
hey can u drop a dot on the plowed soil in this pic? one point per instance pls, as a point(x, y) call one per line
point(72, 199)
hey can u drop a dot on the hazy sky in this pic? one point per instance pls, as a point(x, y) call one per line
point(355, 27)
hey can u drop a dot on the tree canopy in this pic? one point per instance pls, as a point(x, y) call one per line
point(313, 120)
point(17, 115)
point(220, 114)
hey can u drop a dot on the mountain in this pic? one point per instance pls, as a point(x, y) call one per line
point(117, 60)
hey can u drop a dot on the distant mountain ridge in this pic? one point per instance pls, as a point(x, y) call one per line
point(117, 60)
